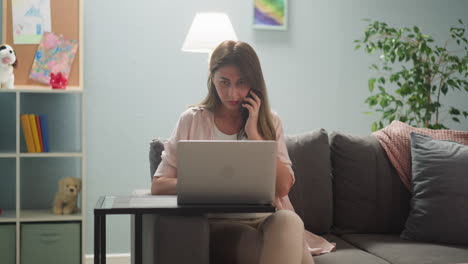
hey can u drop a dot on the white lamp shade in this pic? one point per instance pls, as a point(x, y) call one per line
point(207, 31)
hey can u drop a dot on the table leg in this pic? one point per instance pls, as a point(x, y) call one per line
point(97, 239)
point(103, 238)
point(138, 239)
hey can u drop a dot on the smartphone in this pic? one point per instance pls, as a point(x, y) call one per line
point(245, 111)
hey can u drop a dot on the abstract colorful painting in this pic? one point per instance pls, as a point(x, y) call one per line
point(270, 14)
point(54, 54)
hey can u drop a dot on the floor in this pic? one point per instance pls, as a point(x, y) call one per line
point(111, 259)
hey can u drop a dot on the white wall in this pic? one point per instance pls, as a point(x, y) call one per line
point(138, 81)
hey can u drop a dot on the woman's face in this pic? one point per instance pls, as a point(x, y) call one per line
point(231, 87)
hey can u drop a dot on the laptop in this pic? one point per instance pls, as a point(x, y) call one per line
point(226, 172)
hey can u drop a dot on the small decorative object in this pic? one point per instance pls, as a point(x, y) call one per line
point(8, 61)
point(0, 211)
point(54, 54)
point(270, 14)
point(58, 81)
point(414, 74)
point(66, 198)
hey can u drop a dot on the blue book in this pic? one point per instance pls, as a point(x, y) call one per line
point(45, 135)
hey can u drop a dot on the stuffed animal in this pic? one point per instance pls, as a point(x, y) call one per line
point(8, 61)
point(66, 197)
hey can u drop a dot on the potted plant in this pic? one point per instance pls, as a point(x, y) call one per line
point(414, 73)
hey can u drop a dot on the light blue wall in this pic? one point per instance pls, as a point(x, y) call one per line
point(138, 81)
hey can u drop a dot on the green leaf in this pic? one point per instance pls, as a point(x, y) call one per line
point(384, 102)
point(357, 47)
point(371, 84)
point(444, 89)
point(456, 119)
point(416, 29)
point(460, 21)
point(454, 111)
point(374, 126)
point(465, 114)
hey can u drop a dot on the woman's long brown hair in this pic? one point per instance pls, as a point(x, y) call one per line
point(243, 56)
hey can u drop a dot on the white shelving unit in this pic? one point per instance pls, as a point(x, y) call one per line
point(23, 169)
point(29, 181)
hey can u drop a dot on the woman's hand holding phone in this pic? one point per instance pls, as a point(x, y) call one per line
point(252, 103)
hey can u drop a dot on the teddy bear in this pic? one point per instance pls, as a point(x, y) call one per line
point(66, 197)
point(8, 61)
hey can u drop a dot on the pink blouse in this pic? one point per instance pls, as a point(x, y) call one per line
point(197, 123)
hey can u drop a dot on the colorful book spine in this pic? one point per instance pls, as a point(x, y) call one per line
point(45, 135)
point(27, 132)
point(32, 123)
point(39, 132)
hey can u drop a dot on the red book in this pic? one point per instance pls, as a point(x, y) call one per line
point(39, 132)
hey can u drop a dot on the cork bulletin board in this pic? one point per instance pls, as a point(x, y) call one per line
point(65, 20)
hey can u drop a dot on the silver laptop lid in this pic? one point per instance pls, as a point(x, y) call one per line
point(226, 172)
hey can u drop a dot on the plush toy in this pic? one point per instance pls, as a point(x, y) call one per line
point(8, 61)
point(58, 81)
point(66, 197)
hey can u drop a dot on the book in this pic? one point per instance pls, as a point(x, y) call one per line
point(54, 54)
point(27, 132)
point(39, 132)
point(32, 123)
point(45, 135)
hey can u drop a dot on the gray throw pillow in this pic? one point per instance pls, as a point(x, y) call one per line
point(439, 211)
point(311, 194)
point(368, 195)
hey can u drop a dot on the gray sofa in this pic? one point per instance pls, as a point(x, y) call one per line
point(346, 190)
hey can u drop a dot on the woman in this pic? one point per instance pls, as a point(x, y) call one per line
point(237, 107)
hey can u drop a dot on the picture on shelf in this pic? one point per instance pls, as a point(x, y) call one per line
point(54, 54)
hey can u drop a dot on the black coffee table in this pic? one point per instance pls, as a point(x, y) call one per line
point(152, 204)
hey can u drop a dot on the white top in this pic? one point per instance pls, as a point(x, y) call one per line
point(218, 135)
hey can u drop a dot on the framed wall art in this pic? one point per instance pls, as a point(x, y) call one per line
point(270, 14)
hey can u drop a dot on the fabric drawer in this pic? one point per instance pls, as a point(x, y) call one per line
point(8, 244)
point(50, 243)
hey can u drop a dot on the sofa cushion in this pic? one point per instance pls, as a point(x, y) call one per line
point(439, 191)
point(399, 251)
point(346, 253)
point(155, 150)
point(368, 194)
point(311, 194)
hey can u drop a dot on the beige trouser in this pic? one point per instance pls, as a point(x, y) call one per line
point(278, 238)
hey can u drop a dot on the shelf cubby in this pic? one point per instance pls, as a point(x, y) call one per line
point(63, 114)
point(8, 189)
point(8, 123)
point(39, 181)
